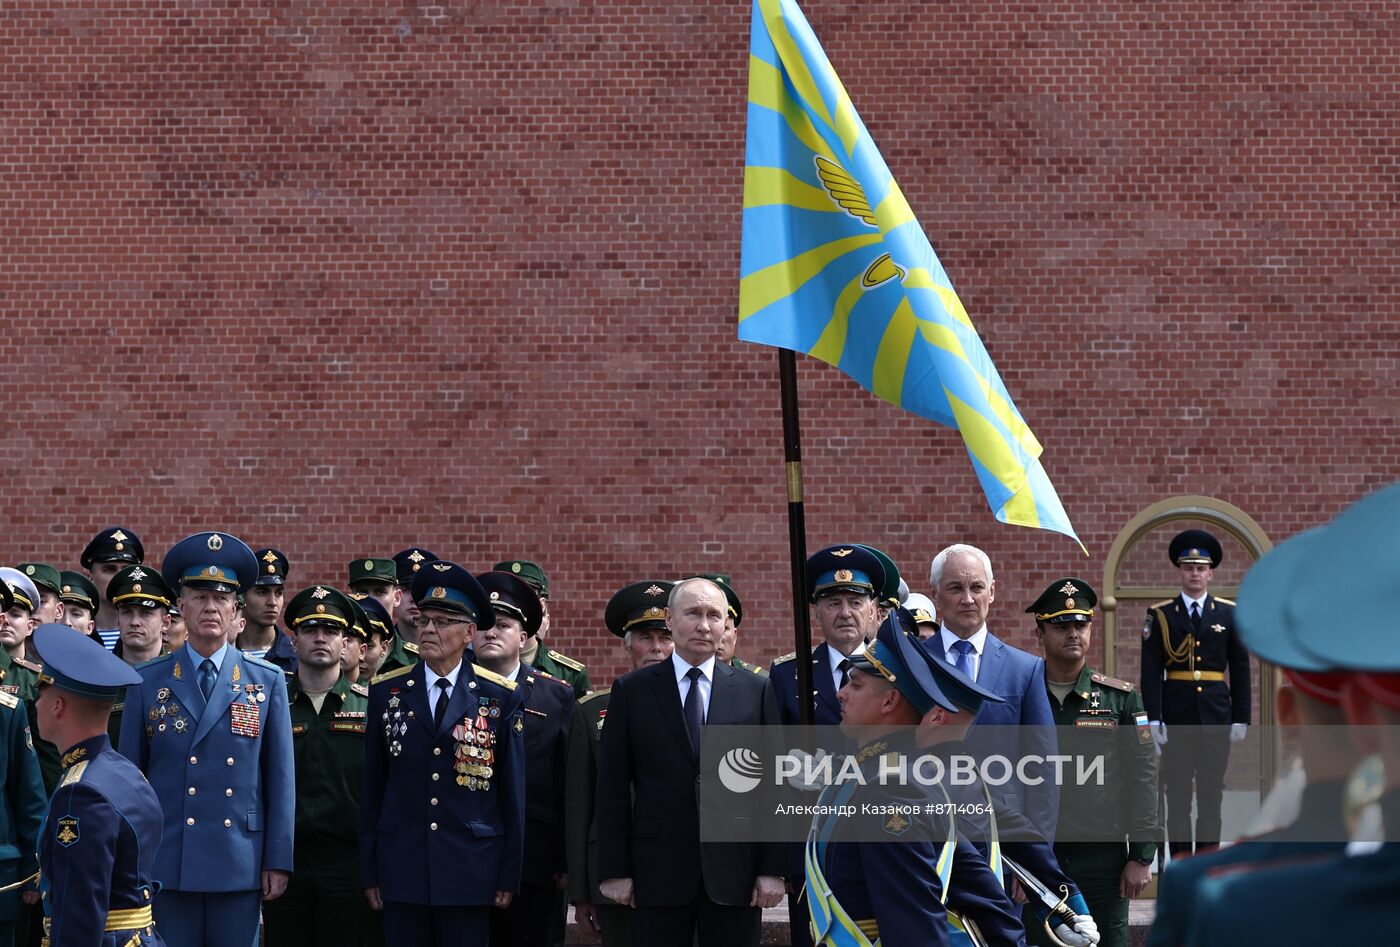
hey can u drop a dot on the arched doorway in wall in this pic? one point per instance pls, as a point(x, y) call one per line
point(1137, 573)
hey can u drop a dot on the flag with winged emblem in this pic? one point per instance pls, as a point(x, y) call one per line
point(835, 265)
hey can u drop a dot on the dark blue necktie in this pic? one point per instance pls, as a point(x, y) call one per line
point(440, 708)
point(964, 659)
point(207, 673)
point(694, 708)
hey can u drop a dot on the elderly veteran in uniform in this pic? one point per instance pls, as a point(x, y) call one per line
point(79, 598)
point(730, 639)
point(22, 807)
point(536, 915)
point(636, 613)
point(98, 845)
point(1346, 896)
point(323, 905)
point(442, 816)
point(1107, 831)
point(209, 727)
point(537, 654)
point(1188, 643)
point(106, 554)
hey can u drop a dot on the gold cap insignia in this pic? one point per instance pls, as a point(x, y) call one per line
point(270, 557)
point(654, 612)
point(272, 570)
point(844, 575)
point(320, 609)
point(136, 587)
point(515, 567)
point(654, 590)
point(441, 567)
point(1069, 603)
point(1069, 588)
point(320, 592)
point(28, 570)
point(67, 589)
point(212, 570)
point(438, 592)
point(842, 553)
point(216, 542)
point(495, 596)
point(416, 556)
point(119, 536)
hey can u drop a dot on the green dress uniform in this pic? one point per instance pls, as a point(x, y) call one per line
point(404, 654)
point(564, 668)
point(21, 678)
point(742, 665)
point(324, 904)
point(580, 833)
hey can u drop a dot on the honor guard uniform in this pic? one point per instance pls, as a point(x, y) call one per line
point(134, 585)
point(105, 555)
point(213, 735)
point(551, 662)
point(273, 568)
point(98, 844)
point(1106, 823)
point(46, 578)
point(442, 817)
point(634, 609)
point(79, 597)
point(22, 806)
point(536, 916)
point(736, 618)
point(1188, 645)
point(324, 905)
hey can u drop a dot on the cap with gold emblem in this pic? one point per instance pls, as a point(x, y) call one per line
point(114, 544)
point(640, 606)
point(513, 596)
point(448, 586)
point(77, 589)
point(321, 605)
point(411, 560)
point(722, 579)
point(139, 585)
point(852, 568)
point(43, 575)
point(1065, 600)
point(529, 571)
point(23, 591)
point(272, 567)
point(216, 561)
point(370, 569)
point(1195, 545)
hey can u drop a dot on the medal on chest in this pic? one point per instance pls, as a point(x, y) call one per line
point(476, 745)
point(395, 723)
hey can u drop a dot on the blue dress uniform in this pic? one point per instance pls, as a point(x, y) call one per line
point(442, 815)
point(98, 845)
point(223, 769)
point(22, 810)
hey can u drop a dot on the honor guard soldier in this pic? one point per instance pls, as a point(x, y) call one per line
point(46, 578)
point(636, 613)
point(106, 554)
point(98, 845)
point(442, 817)
point(536, 915)
point(378, 578)
point(1188, 644)
point(324, 905)
point(408, 563)
point(1110, 826)
point(261, 637)
point(537, 654)
point(729, 640)
point(209, 727)
point(79, 597)
point(22, 806)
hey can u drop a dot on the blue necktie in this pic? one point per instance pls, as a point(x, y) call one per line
point(964, 659)
point(207, 673)
point(694, 709)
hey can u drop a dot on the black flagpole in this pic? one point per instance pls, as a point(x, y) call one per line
point(797, 533)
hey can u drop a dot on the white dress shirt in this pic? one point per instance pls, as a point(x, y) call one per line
point(1188, 601)
point(835, 658)
point(706, 682)
point(978, 640)
point(431, 677)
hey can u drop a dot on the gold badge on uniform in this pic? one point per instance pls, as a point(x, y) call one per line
point(897, 824)
point(844, 575)
point(67, 832)
point(842, 553)
point(438, 592)
point(216, 542)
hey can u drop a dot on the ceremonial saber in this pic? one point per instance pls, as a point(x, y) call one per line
point(1057, 906)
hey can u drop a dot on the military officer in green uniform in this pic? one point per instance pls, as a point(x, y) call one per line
point(79, 598)
point(323, 905)
point(729, 638)
point(378, 578)
point(1106, 830)
point(46, 578)
point(537, 654)
point(637, 614)
point(890, 592)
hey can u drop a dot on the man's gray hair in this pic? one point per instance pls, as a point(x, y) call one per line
point(935, 572)
point(676, 590)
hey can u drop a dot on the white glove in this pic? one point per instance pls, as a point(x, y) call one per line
point(1159, 734)
point(1083, 933)
point(1238, 731)
point(810, 766)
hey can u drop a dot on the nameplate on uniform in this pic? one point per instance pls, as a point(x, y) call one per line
point(298, 729)
point(1096, 723)
point(347, 726)
point(243, 719)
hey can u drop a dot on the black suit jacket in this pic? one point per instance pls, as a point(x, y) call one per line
point(648, 778)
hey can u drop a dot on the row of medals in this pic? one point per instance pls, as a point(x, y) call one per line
point(475, 748)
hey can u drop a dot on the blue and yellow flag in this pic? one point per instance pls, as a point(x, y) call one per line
point(835, 265)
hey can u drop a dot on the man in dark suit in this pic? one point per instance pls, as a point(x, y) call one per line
point(535, 917)
point(963, 591)
point(1188, 642)
point(649, 850)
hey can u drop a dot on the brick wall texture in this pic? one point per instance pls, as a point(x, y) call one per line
point(344, 276)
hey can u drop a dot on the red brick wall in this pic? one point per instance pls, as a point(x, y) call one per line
point(342, 277)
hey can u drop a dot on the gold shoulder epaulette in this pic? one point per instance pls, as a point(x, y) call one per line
point(73, 773)
point(8, 700)
point(493, 677)
point(783, 658)
point(565, 660)
point(30, 665)
point(390, 675)
point(1223, 601)
point(1110, 681)
point(1165, 601)
point(410, 647)
point(545, 676)
point(592, 694)
point(359, 688)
